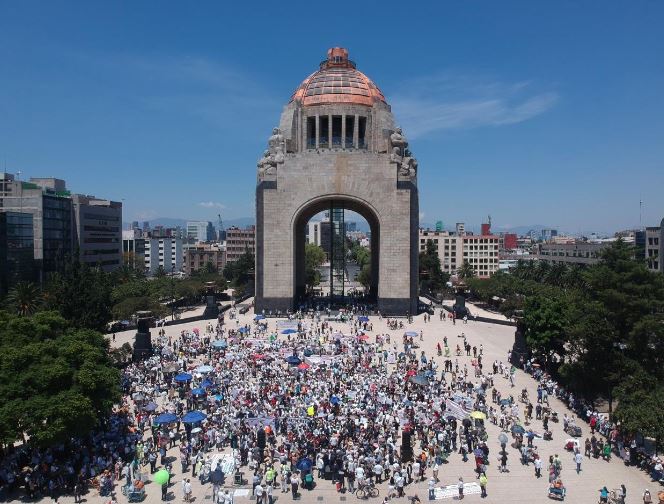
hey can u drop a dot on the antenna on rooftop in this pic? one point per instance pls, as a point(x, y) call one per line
point(640, 213)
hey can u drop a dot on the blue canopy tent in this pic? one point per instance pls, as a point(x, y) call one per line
point(259, 317)
point(288, 331)
point(363, 318)
point(194, 417)
point(411, 334)
point(219, 344)
point(183, 377)
point(165, 418)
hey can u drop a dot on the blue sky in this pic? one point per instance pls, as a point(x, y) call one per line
point(534, 112)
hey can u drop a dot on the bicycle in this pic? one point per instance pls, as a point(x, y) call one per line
point(366, 491)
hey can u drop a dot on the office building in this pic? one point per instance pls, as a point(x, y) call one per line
point(239, 241)
point(201, 231)
point(548, 234)
point(320, 233)
point(570, 253)
point(197, 257)
point(480, 251)
point(98, 231)
point(133, 248)
point(164, 253)
point(50, 205)
point(654, 247)
point(509, 241)
point(16, 250)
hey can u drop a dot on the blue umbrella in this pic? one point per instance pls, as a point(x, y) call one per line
point(334, 400)
point(183, 377)
point(194, 417)
point(218, 397)
point(411, 334)
point(363, 318)
point(206, 384)
point(518, 429)
point(165, 418)
point(150, 406)
point(219, 344)
point(198, 391)
point(244, 330)
point(305, 464)
point(288, 331)
point(293, 360)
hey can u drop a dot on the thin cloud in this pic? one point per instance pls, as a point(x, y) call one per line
point(446, 102)
point(211, 204)
point(196, 86)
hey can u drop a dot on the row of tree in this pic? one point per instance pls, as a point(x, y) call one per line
point(88, 297)
point(599, 329)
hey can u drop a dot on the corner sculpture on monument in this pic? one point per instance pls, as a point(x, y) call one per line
point(337, 148)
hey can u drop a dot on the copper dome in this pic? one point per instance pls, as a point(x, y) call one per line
point(337, 81)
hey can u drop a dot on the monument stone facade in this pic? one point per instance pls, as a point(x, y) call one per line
point(337, 145)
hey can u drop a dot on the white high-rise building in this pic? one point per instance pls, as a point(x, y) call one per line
point(201, 231)
point(165, 252)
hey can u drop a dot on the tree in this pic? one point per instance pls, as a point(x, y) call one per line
point(210, 267)
point(466, 271)
point(82, 295)
point(432, 277)
point(56, 382)
point(364, 277)
point(239, 271)
point(24, 299)
point(545, 319)
point(314, 257)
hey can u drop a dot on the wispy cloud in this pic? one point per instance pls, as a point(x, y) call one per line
point(211, 204)
point(449, 102)
point(197, 86)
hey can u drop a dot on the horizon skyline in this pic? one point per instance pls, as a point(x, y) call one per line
point(511, 110)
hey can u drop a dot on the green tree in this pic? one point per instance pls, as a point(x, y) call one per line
point(55, 381)
point(466, 271)
point(82, 294)
point(545, 320)
point(239, 272)
point(314, 257)
point(432, 278)
point(364, 277)
point(25, 298)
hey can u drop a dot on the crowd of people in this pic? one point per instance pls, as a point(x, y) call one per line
point(282, 405)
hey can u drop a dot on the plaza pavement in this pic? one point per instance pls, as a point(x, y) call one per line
point(517, 486)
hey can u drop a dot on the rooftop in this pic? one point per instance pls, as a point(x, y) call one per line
point(337, 81)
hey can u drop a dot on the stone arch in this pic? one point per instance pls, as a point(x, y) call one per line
point(321, 203)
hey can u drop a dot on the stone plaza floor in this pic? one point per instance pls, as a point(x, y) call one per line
point(519, 485)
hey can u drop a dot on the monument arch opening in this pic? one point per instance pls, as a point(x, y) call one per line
point(332, 224)
point(337, 149)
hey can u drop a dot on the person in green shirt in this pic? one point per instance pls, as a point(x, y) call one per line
point(483, 482)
